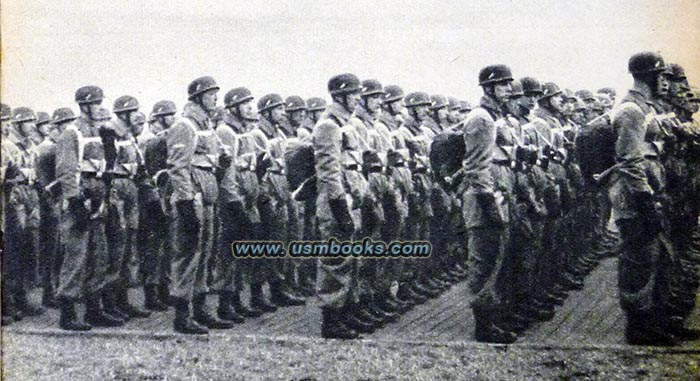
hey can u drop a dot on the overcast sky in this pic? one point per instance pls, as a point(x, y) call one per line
point(152, 51)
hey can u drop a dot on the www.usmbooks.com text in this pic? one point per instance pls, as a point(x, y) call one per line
point(332, 248)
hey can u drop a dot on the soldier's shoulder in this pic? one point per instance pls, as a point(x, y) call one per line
point(626, 110)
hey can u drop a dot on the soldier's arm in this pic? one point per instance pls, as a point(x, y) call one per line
point(327, 155)
point(181, 147)
point(68, 163)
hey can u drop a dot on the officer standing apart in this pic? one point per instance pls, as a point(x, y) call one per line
point(481, 207)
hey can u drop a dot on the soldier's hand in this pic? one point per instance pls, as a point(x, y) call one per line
point(225, 160)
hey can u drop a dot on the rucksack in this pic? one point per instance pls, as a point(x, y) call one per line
point(300, 169)
point(447, 151)
point(595, 147)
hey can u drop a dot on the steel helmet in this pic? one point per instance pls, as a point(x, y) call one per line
point(269, 101)
point(550, 89)
point(63, 115)
point(102, 114)
point(294, 103)
point(531, 86)
point(164, 107)
point(139, 117)
point(465, 106)
point(6, 112)
point(237, 96)
point(416, 99)
point(516, 89)
point(646, 62)
point(494, 74)
point(392, 93)
point(125, 103)
point(23, 114)
point(343, 84)
point(585, 95)
point(452, 103)
point(438, 101)
point(201, 85)
point(371, 87)
point(89, 94)
point(42, 118)
point(316, 104)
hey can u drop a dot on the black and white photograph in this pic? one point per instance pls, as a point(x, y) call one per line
point(366, 190)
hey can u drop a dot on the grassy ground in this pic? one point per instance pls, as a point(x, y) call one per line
point(128, 356)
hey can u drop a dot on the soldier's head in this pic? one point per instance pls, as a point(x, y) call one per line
point(580, 114)
point(345, 90)
point(516, 94)
point(371, 96)
point(438, 108)
point(552, 98)
point(649, 72)
point(495, 81)
point(271, 107)
point(102, 116)
point(124, 107)
point(295, 108)
point(569, 102)
point(316, 106)
point(43, 125)
point(137, 122)
point(605, 101)
point(608, 90)
point(24, 120)
point(418, 105)
point(60, 119)
point(239, 103)
point(678, 85)
point(89, 98)
point(163, 115)
point(392, 101)
point(203, 91)
point(454, 116)
point(5, 117)
point(464, 108)
point(532, 90)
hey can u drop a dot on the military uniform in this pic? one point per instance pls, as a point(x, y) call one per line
point(20, 257)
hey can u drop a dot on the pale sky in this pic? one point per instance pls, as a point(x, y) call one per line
point(152, 51)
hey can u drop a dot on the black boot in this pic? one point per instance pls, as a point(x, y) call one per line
point(96, 316)
point(109, 302)
point(48, 298)
point(351, 320)
point(8, 309)
point(69, 318)
point(128, 308)
point(486, 331)
point(642, 330)
point(282, 297)
point(183, 322)
point(203, 317)
point(332, 326)
point(677, 328)
point(164, 295)
point(27, 308)
point(226, 310)
point(242, 309)
point(258, 299)
point(151, 300)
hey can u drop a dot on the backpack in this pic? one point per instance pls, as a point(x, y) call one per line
point(301, 170)
point(447, 151)
point(595, 147)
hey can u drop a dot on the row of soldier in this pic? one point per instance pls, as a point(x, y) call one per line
point(500, 193)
